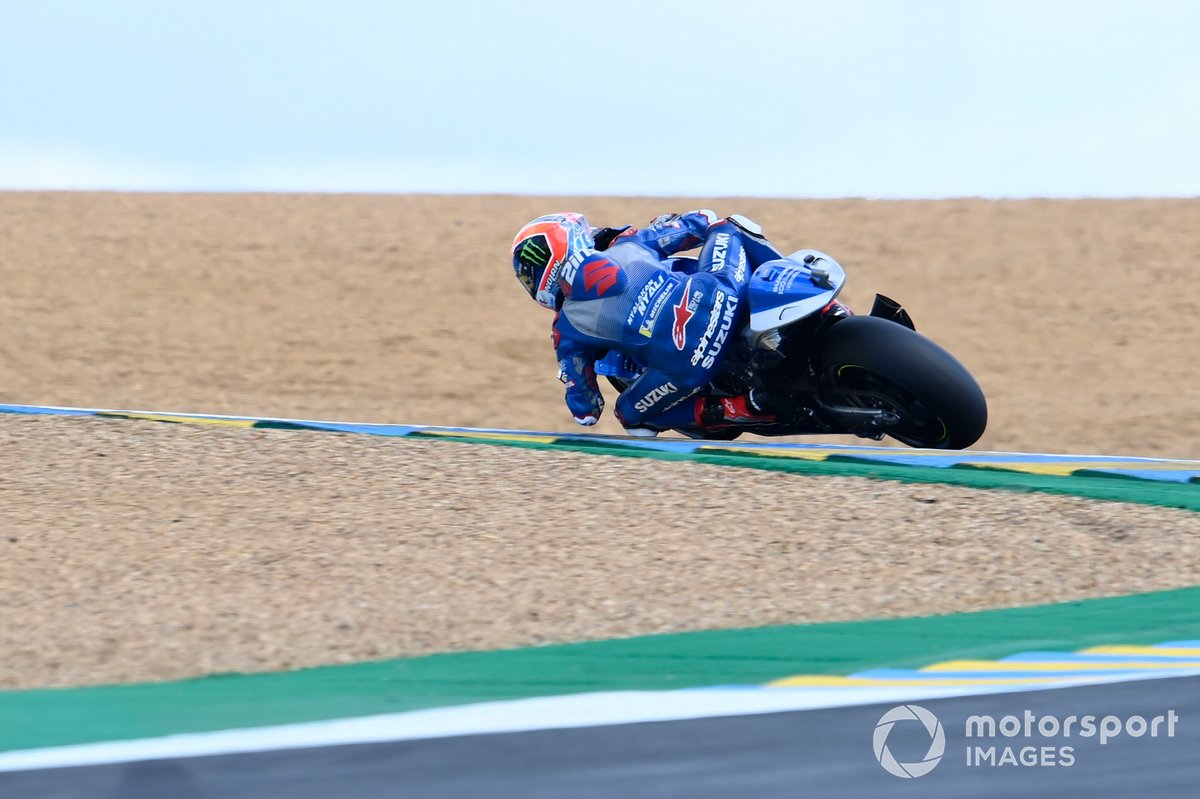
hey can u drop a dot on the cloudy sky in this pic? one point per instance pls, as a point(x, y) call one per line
point(880, 98)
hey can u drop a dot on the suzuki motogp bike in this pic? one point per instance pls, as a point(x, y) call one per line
point(829, 371)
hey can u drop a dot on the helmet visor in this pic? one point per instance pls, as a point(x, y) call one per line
point(533, 260)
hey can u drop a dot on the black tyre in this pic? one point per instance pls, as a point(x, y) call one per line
point(869, 362)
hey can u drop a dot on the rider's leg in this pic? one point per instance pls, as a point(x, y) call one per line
point(724, 257)
point(707, 412)
point(758, 249)
point(659, 401)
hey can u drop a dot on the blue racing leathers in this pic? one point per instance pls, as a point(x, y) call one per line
point(679, 324)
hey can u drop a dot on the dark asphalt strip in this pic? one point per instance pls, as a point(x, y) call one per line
point(825, 753)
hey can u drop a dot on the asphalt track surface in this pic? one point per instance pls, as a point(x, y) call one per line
point(807, 753)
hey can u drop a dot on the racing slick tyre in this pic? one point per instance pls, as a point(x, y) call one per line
point(868, 362)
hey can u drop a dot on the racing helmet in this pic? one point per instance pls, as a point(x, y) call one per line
point(541, 249)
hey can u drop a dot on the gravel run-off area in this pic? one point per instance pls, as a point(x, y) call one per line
point(148, 551)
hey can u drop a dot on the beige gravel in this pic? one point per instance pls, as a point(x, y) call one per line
point(1079, 317)
point(148, 551)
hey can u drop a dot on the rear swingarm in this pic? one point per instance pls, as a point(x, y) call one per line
point(870, 423)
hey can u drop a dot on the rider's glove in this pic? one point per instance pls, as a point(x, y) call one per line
point(584, 399)
point(665, 220)
point(675, 233)
point(586, 405)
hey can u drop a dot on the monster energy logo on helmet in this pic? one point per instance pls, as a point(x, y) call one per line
point(531, 257)
point(534, 253)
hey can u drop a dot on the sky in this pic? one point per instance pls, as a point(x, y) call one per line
point(787, 98)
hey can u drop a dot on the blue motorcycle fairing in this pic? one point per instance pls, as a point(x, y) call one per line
point(619, 365)
point(789, 289)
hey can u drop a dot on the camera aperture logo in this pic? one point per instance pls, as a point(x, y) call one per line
point(998, 742)
point(937, 741)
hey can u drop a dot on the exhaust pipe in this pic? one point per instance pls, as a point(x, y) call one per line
point(887, 308)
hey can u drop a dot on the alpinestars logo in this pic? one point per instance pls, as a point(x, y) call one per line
point(683, 314)
point(713, 319)
point(739, 274)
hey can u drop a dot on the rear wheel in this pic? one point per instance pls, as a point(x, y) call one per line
point(867, 362)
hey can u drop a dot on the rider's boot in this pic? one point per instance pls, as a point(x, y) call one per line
point(758, 249)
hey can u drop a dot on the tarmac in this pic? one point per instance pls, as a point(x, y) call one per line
point(827, 753)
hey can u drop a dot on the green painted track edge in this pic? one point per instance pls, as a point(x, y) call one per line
point(51, 717)
point(1142, 492)
point(1084, 483)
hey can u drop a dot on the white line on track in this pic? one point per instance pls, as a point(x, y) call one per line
point(521, 715)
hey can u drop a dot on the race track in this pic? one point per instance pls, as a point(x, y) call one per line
point(815, 752)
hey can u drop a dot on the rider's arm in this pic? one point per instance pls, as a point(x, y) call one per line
point(576, 369)
point(672, 233)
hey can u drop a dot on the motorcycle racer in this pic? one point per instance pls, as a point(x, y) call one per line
point(622, 289)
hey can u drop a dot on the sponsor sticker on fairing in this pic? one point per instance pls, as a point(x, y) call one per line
point(784, 280)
